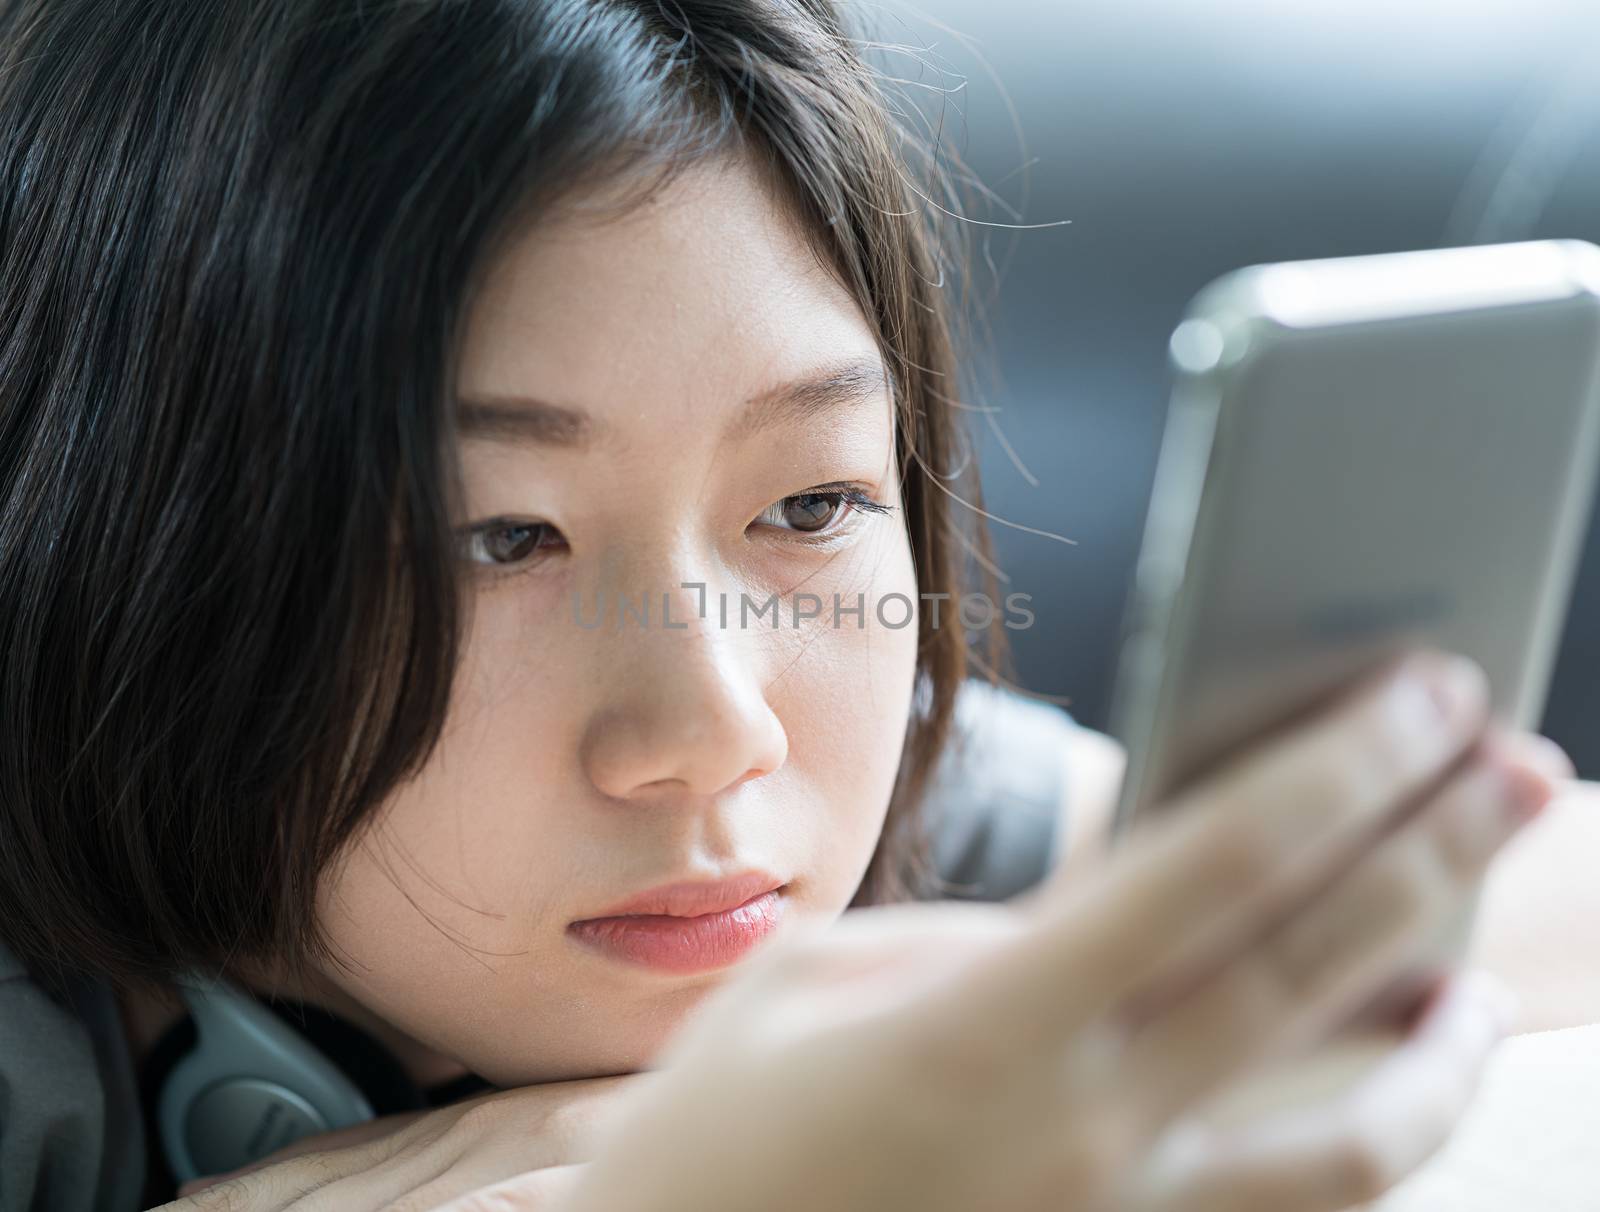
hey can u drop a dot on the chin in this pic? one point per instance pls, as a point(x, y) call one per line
point(635, 1057)
point(630, 1042)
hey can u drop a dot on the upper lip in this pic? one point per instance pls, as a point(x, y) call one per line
point(693, 898)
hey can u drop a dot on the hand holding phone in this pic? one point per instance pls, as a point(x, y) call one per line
point(954, 1055)
point(1363, 455)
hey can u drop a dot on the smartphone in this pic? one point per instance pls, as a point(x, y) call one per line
point(1362, 455)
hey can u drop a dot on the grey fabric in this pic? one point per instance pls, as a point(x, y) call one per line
point(995, 803)
point(71, 1137)
point(70, 1134)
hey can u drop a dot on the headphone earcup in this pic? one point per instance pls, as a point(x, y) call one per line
point(238, 1080)
point(371, 1067)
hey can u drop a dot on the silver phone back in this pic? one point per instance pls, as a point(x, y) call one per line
point(1361, 454)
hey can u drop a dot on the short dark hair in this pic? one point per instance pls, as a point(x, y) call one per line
point(239, 240)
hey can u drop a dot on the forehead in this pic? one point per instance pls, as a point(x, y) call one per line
point(686, 302)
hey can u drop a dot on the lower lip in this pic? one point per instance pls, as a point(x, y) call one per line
point(684, 944)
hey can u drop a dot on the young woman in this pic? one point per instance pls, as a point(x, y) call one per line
point(472, 471)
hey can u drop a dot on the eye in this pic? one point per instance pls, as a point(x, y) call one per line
point(810, 511)
point(820, 511)
point(503, 544)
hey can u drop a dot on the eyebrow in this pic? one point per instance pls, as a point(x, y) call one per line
point(523, 420)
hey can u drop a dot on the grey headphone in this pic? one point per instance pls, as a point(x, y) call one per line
point(249, 1087)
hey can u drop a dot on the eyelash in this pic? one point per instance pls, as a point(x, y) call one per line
point(853, 496)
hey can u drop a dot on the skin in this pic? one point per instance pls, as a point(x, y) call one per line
point(453, 911)
point(658, 755)
point(542, 1133)
point(1536, 917)
point(581, 766)
point(946, 1115)
point(534, 1141)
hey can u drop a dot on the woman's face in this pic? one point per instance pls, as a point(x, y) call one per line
point(583, 764)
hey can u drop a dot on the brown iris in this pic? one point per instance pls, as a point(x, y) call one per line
point(810, 510)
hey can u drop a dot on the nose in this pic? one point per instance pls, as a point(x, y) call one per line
point(687, 712)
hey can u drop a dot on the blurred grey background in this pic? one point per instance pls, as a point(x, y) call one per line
point(1184, 138)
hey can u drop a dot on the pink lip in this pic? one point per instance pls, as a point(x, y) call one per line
point(690, 927)
point(694, 897)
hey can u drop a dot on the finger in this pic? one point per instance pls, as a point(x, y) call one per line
point(268, 1189)
point(867, 939)
point(869, 962)
point(1313, 970)
point(1382, 883)
point(1230, 840)
point(1333, 1157)
point(536, 1191)
point(444, 1154)
point(363, 1168)
point(384, 1185)
point(1543, 754)
point(1538, 755)
point(468, 1146)
point(318, 1142)
point(200, 1184)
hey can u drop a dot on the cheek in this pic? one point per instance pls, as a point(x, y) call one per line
point(472, 856)
point(456, 895)
point(846, 706)
point(448, 917)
